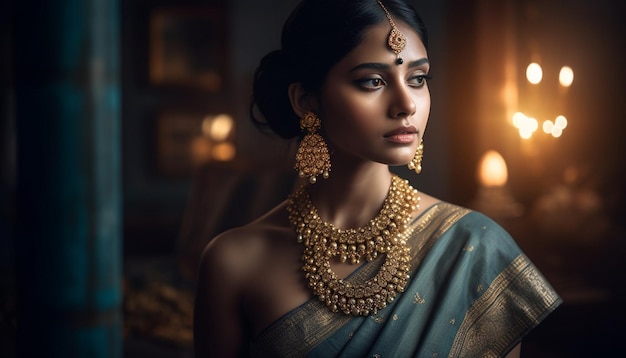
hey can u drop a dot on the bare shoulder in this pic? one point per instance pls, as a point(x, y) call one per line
point(229, 267)
point(238, 251)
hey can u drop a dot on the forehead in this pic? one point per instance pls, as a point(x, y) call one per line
point(374, 47)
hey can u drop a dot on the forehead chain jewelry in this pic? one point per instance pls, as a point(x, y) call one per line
point(396, 39)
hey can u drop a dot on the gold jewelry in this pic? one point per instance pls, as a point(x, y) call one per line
point(386, 234)
point(396, 39)
point(312, 158)
point(416, 162)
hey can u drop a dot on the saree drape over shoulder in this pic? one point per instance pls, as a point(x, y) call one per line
point(472, 293)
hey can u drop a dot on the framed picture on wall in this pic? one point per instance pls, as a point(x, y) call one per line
point(188, 47)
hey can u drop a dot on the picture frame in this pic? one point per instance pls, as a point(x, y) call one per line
point(188, 47)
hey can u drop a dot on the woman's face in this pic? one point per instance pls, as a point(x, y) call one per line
point(372, 108)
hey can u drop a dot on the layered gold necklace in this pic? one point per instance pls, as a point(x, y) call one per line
point(386, 234)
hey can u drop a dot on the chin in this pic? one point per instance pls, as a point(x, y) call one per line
point(398, 163)
point(396, 159)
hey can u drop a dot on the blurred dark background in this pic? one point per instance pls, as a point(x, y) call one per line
point(190, 164)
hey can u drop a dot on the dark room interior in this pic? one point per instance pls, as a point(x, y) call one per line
point(126, 145)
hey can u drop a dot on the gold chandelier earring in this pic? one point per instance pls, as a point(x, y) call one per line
point(312, 158)
point(416, 162)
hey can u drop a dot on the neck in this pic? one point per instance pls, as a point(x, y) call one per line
point(351, 196)
point(324, 242)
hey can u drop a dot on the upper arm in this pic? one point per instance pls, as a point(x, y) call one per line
point(218, 329)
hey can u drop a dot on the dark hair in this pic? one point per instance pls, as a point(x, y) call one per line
point(317, 35)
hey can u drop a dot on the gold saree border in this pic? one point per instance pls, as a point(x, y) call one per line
point(298, 332)
point(480, 334)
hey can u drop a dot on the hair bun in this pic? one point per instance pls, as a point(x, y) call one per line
point(275, 61)
point(270, 92)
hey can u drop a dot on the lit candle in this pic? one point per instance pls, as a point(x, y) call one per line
point(494, 197)
point(493, 171)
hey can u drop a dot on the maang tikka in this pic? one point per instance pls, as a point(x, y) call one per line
point(312, 158)
point(396, 39)
point(416, 162)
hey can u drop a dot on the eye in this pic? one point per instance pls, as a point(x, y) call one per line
point(373, 83)
point(418, 81)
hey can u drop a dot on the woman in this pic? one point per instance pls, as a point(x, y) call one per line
point(423, 278)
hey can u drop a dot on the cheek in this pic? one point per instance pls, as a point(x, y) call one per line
point(422, 111)
point(349, 112)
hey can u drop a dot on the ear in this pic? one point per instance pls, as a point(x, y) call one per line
point(302, 101)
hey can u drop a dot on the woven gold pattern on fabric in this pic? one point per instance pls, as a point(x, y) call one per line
point(298, 332)
point(418, 299)
point(516, 301)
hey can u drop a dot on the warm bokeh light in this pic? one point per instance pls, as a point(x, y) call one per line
point(561, 122)
point(566, 76)
point(534, 73)
point(525, 125)
point(547, 126)
point(218, 128)
point(555, 128)
point(518, 118)
point(492, 170)
point(556, 132)
point(200, 151)
point(217, 131)
point(224, 152)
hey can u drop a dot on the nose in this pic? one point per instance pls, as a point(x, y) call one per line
point(402, 102)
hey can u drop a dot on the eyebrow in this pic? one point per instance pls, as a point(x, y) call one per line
point(385, 66)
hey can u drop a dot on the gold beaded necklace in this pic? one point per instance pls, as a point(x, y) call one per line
point(385, 234)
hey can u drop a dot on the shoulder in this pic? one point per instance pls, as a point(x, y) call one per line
point(236, 253)
point(468, 228)
point(463, 219)
point(231, 265)
point(229, 252)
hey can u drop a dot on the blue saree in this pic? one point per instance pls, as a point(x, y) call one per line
point(472, 293)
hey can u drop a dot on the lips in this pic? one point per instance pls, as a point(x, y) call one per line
point(402, 135)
